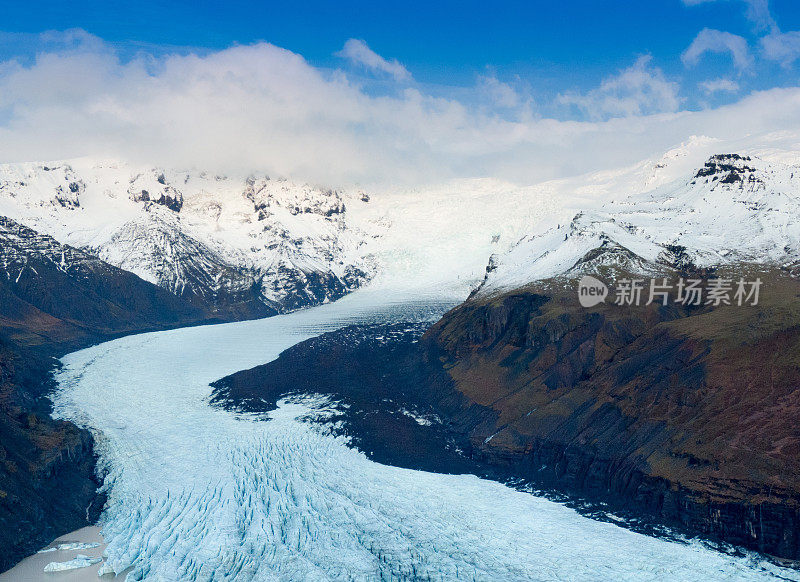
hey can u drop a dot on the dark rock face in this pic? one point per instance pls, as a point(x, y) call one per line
point(48, 484)
point(722, 163)
point(164, 194)
point(730, 169)
point(54, 299)
point(169, 197)
point(685, 415)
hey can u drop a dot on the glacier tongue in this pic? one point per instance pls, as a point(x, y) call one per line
point(197, 493)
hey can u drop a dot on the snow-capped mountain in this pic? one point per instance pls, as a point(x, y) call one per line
point(733, 209)
point(254, 246)
point(55, 293)
point(244, 246)
point(19, 245)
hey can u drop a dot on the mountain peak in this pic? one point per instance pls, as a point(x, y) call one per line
point(734, 209)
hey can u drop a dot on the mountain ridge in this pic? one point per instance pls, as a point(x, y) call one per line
point(733, 209)
point(254, 246)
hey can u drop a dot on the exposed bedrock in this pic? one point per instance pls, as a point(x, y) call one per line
point(689, 415)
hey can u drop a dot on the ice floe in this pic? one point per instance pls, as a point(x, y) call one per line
point(80, 561)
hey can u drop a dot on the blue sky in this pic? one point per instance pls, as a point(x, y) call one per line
point(394, 91)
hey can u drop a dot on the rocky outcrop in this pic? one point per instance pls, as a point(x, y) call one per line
point(730, 169)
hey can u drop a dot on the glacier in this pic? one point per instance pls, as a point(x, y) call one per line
point(198, 493)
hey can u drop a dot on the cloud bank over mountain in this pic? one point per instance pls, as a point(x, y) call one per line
point(261, 107)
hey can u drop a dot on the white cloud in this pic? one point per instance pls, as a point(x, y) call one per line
point(756, 11)
point(717, 41)
point(782, 47)
point(262, 108)
point(638, 90)
point(719, 86)
point(357, 51)
point(498, 93)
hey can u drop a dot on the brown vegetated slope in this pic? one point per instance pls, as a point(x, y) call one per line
point(691, 415)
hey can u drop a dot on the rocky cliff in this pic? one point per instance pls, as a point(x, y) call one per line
point(47, 482)
point(686, 414)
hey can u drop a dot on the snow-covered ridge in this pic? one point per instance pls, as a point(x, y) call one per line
point(733, 209)
point(217, 238)
point(19, 244)
point(208, 238)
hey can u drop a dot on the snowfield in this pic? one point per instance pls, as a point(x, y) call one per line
point(731, 209)
point(196, 233)
point(197, 493)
